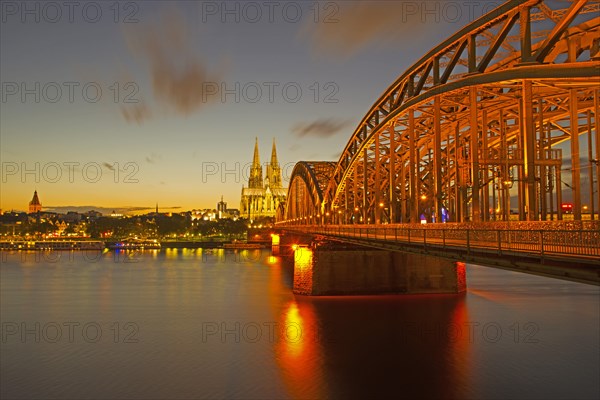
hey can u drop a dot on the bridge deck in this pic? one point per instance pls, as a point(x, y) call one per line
point(567, 254)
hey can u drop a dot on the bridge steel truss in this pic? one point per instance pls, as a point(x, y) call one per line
point(308, 181)
point(488, 116)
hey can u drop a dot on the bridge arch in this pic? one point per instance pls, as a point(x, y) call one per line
point(477, 124)
point(305, 193)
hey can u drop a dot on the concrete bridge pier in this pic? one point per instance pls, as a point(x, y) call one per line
point(331, 268)
point(360, 272)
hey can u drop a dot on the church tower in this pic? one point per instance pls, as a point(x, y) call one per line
point(34, 204)
point(255, 181)
point(262, 199)
point(274, 170)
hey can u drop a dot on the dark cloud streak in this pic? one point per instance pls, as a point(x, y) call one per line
point(153, 158)
point(319, 128)
point(179, 79)
point(137, 113)
point(362, 23)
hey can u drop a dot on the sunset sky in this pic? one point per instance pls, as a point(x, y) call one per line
point(157, 132)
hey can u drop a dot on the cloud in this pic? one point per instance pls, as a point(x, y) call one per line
point(357, 24)
point(180, 81)
point(153, 158)
point(319, 128)
point(137, 113)
point(111, 167)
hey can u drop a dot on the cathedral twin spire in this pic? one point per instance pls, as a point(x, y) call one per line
point(274, 161)
point(255, 180)
point(273, 178)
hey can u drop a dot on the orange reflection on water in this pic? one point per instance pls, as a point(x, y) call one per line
point(292, 332)
point(299, 352)
point(170, 253)
point(459, 339)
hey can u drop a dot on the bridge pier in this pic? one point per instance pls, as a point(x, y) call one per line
point(319, 272)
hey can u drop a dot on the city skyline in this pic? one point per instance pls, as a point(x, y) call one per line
point(164, 148)
point(63, 209)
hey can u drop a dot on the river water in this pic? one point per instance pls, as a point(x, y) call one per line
point(195, 324)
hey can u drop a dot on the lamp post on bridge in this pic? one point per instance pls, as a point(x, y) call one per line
point(357, 216)
point(423, 199)
point(384, 213)
point(505, 183)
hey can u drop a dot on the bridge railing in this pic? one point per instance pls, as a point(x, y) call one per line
point(540, 242)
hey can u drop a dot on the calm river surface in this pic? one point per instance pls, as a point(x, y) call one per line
point(195, 324)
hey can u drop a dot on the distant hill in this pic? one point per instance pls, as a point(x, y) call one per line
point(106, 210)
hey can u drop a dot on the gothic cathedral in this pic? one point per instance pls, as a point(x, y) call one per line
point(262, 198)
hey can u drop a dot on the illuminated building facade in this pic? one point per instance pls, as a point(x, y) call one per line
point(262, 197)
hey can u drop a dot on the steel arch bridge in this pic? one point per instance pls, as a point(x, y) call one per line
point(483, 118)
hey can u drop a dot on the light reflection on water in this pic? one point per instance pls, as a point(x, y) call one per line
point(224, 324)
